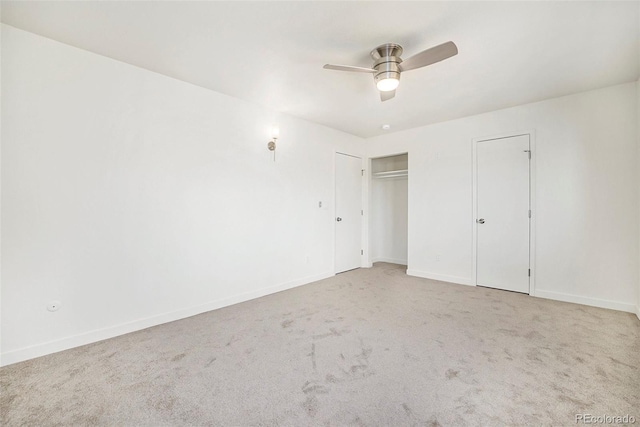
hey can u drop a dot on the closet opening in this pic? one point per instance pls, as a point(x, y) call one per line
point(388, 220)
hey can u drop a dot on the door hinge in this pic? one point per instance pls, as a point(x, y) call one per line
point(529, 153)
point(529, 274)
point(529, 213)
point(361, 251)
point(361, 212)
point(362, 171)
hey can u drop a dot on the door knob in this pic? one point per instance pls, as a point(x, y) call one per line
point(480, 221)
point(338, 219)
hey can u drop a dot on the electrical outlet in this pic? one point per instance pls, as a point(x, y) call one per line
point(54, 305)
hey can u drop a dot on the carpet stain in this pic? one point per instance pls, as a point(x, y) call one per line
point(621, 363)
point(358, 422)
point(286, 323)
point(311, 388)
point(331, 378)
point(579, 403)
point(411, 357)
point(8, 400)
point(333, 332)
point(451, 374)
point(166, 404)
point(534, 335)
point(213, 359)
point(310, 406)
point(366, 351)
point(407, 409)
point(178, 357)
point(533, 355)
point(75, 372)
point(509, 355)
point(356, 368)
point(313, 356)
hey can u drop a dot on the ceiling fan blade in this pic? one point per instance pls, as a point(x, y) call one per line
point(429, 56)
point(348, 68)
point(387, 95)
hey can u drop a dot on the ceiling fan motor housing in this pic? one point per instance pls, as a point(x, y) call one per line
point(387, 61)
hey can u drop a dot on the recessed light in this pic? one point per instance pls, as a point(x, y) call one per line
point(386, 127)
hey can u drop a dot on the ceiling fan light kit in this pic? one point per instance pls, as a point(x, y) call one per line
point(388, 84)
point(388, 65)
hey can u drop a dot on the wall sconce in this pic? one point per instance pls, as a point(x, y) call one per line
point(275, 133)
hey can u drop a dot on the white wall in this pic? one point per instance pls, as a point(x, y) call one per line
point(388, 227)
point(586, 194)
point(136, 199)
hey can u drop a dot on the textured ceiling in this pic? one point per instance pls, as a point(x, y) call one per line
point(272, 53)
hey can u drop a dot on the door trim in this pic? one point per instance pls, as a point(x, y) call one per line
point(532, 203)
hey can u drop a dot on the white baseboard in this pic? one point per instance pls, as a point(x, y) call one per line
point(390, 260)
point(594, 302)
point(440, 277)
point(43, 349)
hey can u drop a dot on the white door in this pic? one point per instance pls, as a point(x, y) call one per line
point(502, 222)
point(348, 212)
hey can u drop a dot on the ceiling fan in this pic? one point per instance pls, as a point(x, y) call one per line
point(387, 64)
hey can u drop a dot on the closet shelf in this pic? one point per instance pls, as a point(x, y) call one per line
point(391, 174)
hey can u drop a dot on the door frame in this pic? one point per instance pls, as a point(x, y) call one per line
point(363, 236)
point(369, 185)
point(532, 203)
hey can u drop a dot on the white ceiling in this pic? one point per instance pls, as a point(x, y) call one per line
point(272, 53)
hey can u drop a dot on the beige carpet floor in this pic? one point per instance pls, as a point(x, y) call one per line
point(368, 347)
